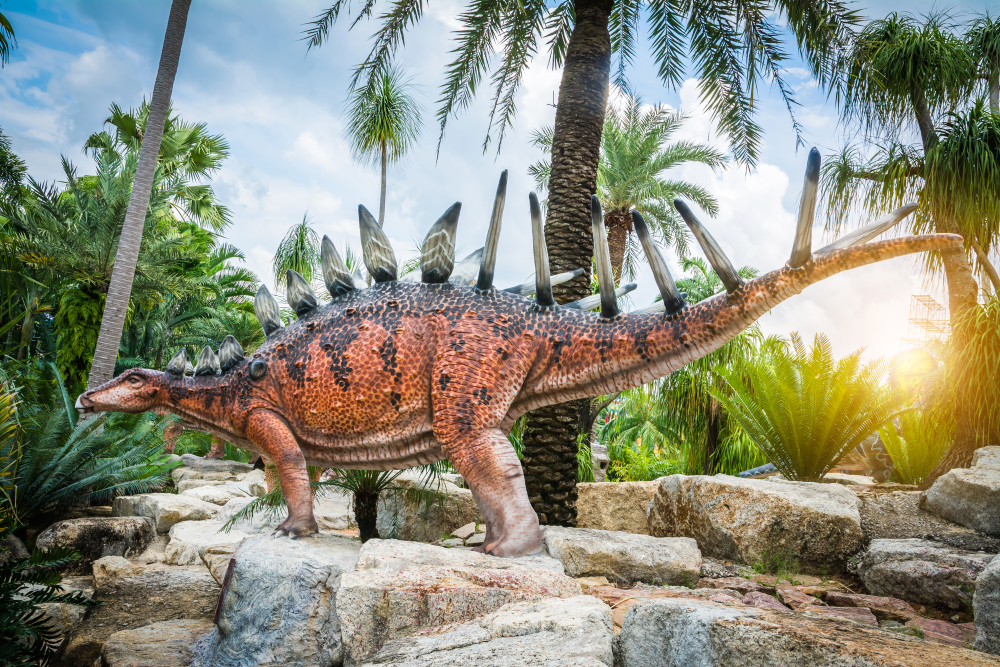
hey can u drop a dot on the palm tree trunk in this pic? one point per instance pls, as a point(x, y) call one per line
point(987, 265)
point(550, 436)
point(618, 222)
point(995, 95)
point(366, 515)
point(103, 366)
point(381, 202)
point(712, 439)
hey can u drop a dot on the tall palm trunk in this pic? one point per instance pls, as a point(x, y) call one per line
point(103, 366)
point(618, 222)
point(381, 202)
point(550, 436)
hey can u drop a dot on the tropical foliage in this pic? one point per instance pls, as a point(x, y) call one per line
point(916, 440)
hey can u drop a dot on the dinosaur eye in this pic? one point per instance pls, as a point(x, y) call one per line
point(134, 380)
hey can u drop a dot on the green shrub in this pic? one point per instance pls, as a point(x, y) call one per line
point(917, 440)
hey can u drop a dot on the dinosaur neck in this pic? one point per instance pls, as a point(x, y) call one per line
point(614, 355)
point(204, 401)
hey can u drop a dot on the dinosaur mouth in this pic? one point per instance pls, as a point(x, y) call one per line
point(84, 404)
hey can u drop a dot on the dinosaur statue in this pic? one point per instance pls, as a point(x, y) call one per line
point(406, 373)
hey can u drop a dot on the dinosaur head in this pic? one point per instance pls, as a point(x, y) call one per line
point(135, 390)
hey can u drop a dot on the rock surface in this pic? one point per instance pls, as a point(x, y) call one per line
point(332, 511)
point(281, 604)
point(861, 615)
point(625, 558)
point(64, 617)
point(897, 515)
point(751, 520)
point(614, 506)
point(190, 539)
point(969, 496)
point(848, 480)
point(161, 644)
point(884, 608)
point(95, 538)
point(943, 632)
point(401, 587)
point(165, 509)
point(220, 494)
point(620, 600)
point(402, 516)
point(921, 571)
point(683, 633)
point(12, 548)
point(554, 632)
point(986, 605)
point(202, 464)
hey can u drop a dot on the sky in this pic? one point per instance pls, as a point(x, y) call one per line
point(245, 72)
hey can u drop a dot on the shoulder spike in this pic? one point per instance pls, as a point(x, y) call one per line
point(486, 269)
point(723, 267)
point(300, 295)
point(868, 232)
point(335, 274)
point(543, 287)
point(655, 307)
point(672, 300)
point(602, 258)
point(266, 308)
point(528, 288)
point(178, 363)
point(208, 363)
point(466, 271)
point(437, 253)
point(802, 248)
point(189, 370)
point(594, 300)
point(376, 251)
point(230, 353)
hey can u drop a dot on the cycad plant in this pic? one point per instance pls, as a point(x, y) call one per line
point(917, 440)
point(804, 408)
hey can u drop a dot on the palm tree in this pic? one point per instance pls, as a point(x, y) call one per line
point(916, 78)
point(635, 152)
point(116, 306)
point(298, 251)
point(983, 38)
point(805, 409)
point(7, 39)
point(384, 122)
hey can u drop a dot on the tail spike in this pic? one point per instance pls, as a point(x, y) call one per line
point(543, 286)
point(593, 301)
point(802, 248)
point(528, 288)
point(230, 353)
point(208, 363)
point(723, 267)
point(602, 258)
point(266, 308)
point(437, 254)
point(178, 363)
point(376, 251)
point(335, 274)
point(489, 264)
point(672, 300)
point(299, 293)
point(867, 233)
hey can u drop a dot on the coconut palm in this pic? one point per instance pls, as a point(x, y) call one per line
point(116, 306)
point(983, 38)
point(635, 152)
point(384, 122)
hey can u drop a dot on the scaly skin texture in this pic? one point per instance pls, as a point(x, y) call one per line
point(402, 374)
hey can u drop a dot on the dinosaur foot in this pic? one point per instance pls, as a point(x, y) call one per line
point(297, 527)
point(517, 542)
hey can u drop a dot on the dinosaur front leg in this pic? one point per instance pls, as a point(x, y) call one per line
point(490, 467)
point(272, 436)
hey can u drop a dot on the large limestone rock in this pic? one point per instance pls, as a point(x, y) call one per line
point(750, 520)
point(689, 633)
point(281, 604)
point(554, 632)
point(625, 558)
point(897, 515)
point(331, 509)
point(138, 597)
point(921, 571)
point(970, 496)
point(399, 588)
point(190, 539)
point(165, 509)
point(62, 617)
point(614, 506)
point(161, 644)
point(404, 516)
point(986, 606)
point(220, 494)
point(202, 464)
point(12, 548)
point(96, 537)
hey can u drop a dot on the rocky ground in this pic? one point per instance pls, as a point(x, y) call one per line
point(670, 572)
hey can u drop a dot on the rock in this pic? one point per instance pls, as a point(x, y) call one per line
point(217, 558)
point(12, 548)
point(191, 484)
point(717, 569)
point(220, 494)
point(465, 532)
point(213, 465)
point(986, 607)
point(790, 596)
point(189, 539)
point(182, 475)
point(165, 509)
point(740, 584)
point(282, 603)
point(547, 633)
point(624, 557)
point(750, 520)
point(97, 537)
point(861, 615)
point(255, 481)
point(921, 571)
point(884, 609)
point(614, 505)
point(112, 567)
point(161, 644)
point(401, 587)
point(757, 599)
point(620, 600)
point(454, 478)
point(476, 540)
point(62, 617)
point(681, 633)
point(969, 496)
point(897, 515)
point(405, 517)
point(601, 461)
point(848, 480)
point(943, 632)
point(332, 511)
point(143, 596)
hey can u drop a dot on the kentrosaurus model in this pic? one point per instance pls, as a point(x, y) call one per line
point(405, 373)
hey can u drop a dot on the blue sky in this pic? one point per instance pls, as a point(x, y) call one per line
point(245, 72)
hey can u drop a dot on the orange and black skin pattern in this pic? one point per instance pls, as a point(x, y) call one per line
point(402, 374)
